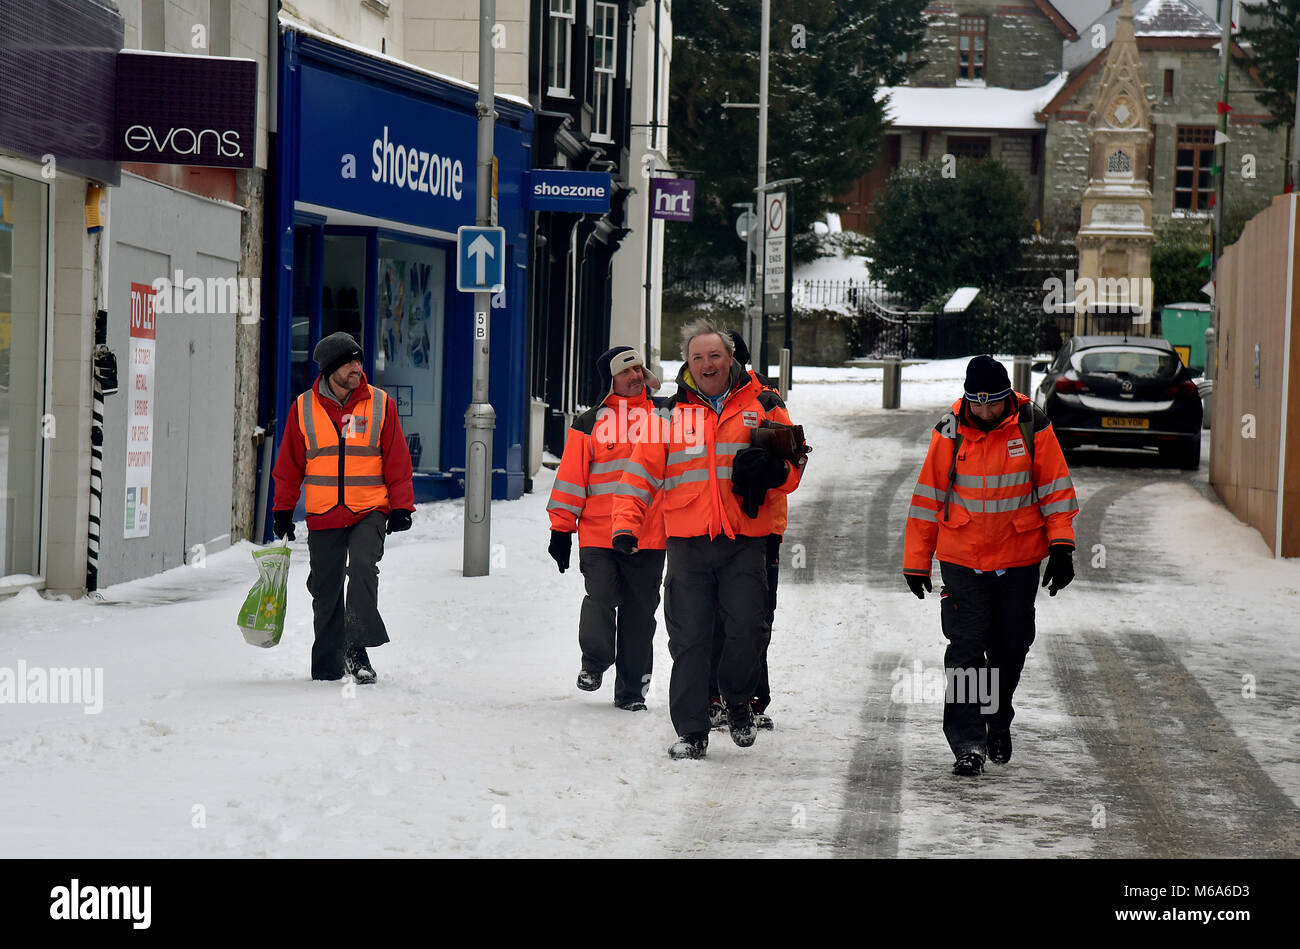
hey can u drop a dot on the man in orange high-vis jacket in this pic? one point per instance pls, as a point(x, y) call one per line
point(763, 691)
point(717, 490)
point(616, 624)
point(343, 441)
point(993, 499)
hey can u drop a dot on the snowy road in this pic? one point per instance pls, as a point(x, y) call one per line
point(1158, 714)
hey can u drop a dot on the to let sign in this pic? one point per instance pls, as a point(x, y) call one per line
point(139, 429)
point(672, 199)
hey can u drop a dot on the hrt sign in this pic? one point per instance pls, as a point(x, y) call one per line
point(672, 199)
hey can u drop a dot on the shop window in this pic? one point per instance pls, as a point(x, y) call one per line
point(343, 282)
point(561, 46)
point(972, 37)
point(605, 63)
point(411, 308)
point(23, 430)
point(301, 369)
point(1193, 159)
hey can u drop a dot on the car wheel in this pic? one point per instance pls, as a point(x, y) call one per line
point(1185, 455)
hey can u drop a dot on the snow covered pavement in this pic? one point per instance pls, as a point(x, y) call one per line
point(1158, 714)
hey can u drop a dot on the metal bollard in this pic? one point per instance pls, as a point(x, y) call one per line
point(893, 382)
point(1020, 378)
point(787, 371)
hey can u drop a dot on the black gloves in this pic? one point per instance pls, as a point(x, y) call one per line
point(283, 524)
point(914, 583)
point(560, 549)
point(398, 520)
point(1060, 567)
point(753, 472)
point(625, 543)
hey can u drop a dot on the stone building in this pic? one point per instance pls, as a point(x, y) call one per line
point(1017, 83)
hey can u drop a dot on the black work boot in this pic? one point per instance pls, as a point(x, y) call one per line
point(357, 664)
point(690, 746)
point(740, 719)
point(969, 765)
point(1000, 746)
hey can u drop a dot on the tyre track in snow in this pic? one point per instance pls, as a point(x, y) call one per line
point(869, 826)
point(1176, 780)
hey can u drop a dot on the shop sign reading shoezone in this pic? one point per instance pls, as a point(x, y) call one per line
point(384, 154)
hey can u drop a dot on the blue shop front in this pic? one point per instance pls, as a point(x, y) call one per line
point(375, 171)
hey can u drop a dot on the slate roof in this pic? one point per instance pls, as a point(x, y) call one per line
point(1150, 18)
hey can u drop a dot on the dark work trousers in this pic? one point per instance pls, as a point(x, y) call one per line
point(707, 578)
point(763, 693)
point(355, 552)
point(989, 623)
point(617, 624)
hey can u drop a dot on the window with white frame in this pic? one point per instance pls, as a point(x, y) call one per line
point(561, 46)
point(605, 64)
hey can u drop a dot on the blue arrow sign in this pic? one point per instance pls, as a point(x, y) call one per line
point(480, 259)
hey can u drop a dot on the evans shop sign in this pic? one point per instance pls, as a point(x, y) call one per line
point(186, 110)
point(383, 153)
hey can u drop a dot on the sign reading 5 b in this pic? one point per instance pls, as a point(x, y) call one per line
point(480, 259)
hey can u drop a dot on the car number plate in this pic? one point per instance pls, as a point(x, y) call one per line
point(1110, 421)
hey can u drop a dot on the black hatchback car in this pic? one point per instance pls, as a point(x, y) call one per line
point(1123, 392)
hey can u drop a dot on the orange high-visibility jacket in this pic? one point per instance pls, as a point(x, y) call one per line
point(348, 471)
point(1001, 513)
point(596, 453)
point(691, 466)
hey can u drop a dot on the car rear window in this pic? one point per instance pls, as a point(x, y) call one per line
point(1135, 363)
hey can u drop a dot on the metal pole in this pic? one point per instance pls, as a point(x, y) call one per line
point(480, 418)
point(789, 283)
point(758, 340)
point(1295, 131)
point(1221, 150)
point(648, 355)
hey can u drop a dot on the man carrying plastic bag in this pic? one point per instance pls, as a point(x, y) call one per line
point(343, 443)
point(261, 619)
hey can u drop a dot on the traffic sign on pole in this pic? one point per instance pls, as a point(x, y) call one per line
point(480, 259)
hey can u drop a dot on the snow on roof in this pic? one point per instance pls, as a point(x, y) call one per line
point(966, 107)
point(1080, 13)
point(961, 299)
point(298, 26)
point(1150, 18)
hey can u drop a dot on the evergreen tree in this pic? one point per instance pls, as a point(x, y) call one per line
point(827, 58)
point(935, 233)
point(1273, 45)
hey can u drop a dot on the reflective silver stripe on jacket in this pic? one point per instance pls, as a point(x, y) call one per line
point(686, 477)
point(635, 469)
point(605, 487)
point(554, 505)
point(1056, 485)
point(631, 490)
point(1060, 507)
point(922, 513)
point(605, 467)
point(568, 487)
point(927, 492)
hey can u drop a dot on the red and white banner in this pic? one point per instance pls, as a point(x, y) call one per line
point(139, 428)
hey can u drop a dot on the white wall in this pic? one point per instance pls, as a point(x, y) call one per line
point(627, 315)
point(442, 35)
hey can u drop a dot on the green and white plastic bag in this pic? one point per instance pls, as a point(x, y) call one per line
point(261, 618)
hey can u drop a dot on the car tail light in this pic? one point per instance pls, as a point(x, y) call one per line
point(1186, 387)
point(1066, 384)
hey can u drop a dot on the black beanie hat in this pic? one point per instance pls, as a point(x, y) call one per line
point(335, 350)
point(741, 351)
point(613, 361)
point(986, 380)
